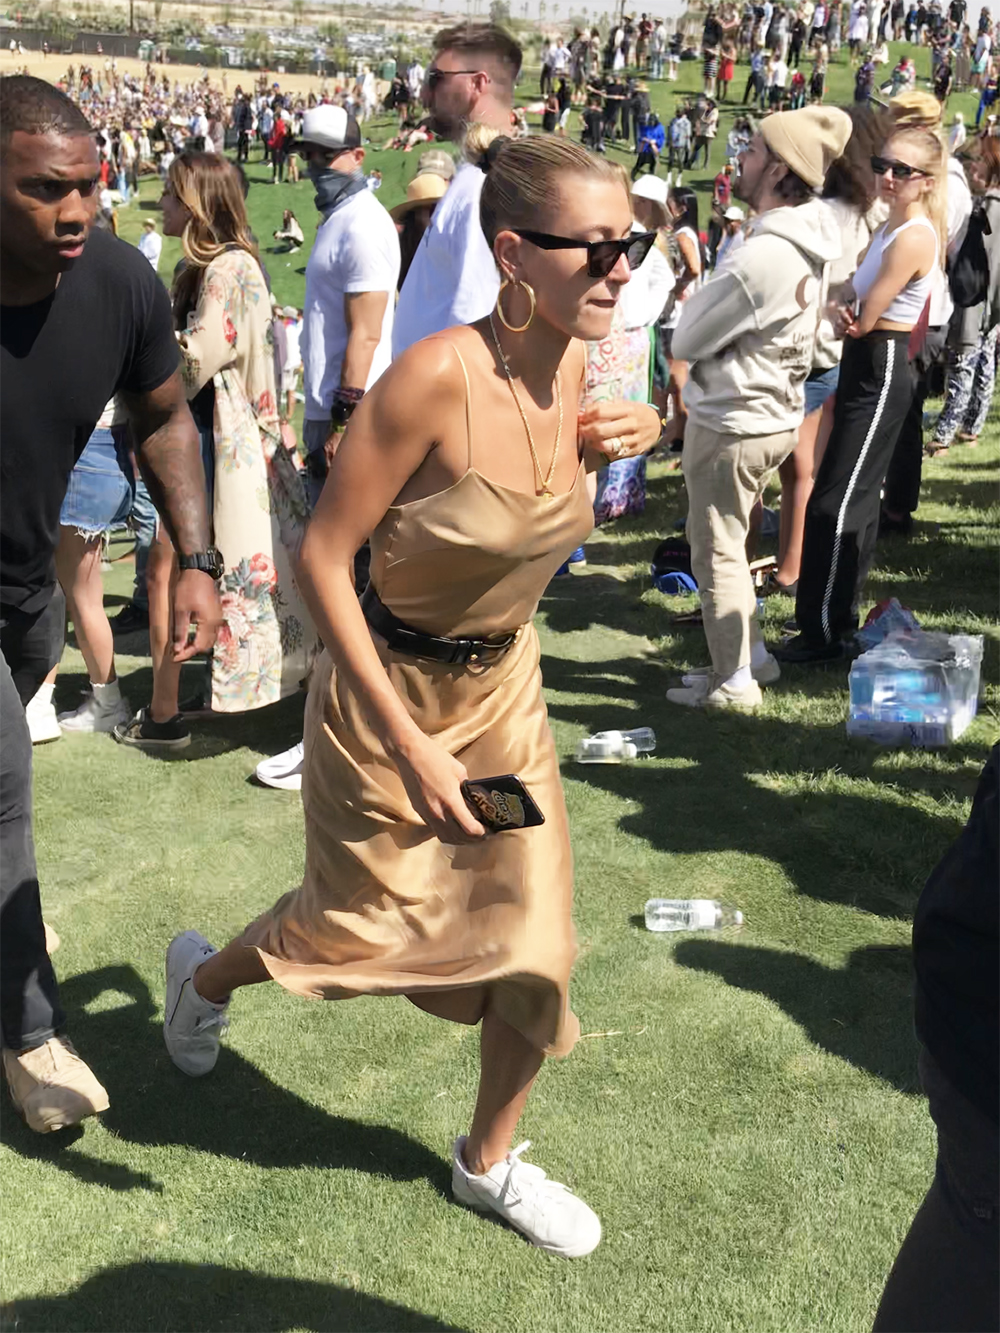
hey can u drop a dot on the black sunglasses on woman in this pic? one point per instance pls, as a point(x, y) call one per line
point(602, 256)
point(901, 171)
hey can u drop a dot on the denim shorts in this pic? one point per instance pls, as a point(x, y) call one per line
point(99, 496)
point(819, 386)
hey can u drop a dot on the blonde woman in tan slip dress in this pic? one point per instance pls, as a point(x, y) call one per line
point(466, 463)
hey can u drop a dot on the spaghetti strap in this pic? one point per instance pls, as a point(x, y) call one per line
point(468, 401)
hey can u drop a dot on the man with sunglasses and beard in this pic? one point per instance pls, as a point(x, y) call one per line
point(749, 336)
point(453, 279)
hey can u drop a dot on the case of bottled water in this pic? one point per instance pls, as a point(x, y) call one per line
point(916, 688)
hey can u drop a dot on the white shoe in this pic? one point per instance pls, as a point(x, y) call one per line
point(283, 770)
point(192, 1026)
point(715, 696)
point(545, 1212)
point(92, 716)
point(40, 714)
point(766, 674)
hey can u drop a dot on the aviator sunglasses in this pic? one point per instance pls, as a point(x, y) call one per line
point(435, 76)
point(901, 171)
point(602, 256)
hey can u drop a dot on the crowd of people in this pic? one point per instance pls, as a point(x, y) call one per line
point(528, 291)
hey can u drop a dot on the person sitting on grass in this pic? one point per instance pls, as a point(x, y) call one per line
point(290, 232)
point(651, 141)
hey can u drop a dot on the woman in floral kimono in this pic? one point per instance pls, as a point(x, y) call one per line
point(222, 311)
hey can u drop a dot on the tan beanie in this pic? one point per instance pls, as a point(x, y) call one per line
point(808, 140)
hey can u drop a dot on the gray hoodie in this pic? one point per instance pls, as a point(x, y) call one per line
point(749, 333)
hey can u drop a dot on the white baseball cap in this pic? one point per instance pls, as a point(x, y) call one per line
point(733, 214)
point(651, 187)
point(329, 127)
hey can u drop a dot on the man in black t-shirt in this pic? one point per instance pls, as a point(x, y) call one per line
point(82, 318)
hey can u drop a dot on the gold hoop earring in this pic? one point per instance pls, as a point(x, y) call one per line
point(515, 328)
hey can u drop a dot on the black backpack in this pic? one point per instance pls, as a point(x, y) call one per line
point(969, 271)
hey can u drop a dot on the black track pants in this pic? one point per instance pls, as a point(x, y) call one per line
point(873, 397)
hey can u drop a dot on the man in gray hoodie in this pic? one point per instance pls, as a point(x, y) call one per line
point(749, 334)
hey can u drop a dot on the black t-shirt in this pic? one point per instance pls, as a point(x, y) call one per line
point(107, 327)
point(956, 952)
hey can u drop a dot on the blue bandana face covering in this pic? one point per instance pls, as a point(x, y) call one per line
point(334, 187)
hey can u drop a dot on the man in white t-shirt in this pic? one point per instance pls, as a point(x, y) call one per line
point(453, 278)
point(151, 243)
point(347, 322)
point(350, 285)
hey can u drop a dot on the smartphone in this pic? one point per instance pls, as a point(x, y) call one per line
point(502, 803)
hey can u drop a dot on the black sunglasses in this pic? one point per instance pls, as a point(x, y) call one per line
point(602, 256)
point(901, 171)
point(435, 76)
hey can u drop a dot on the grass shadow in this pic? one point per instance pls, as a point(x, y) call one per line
point(176, 1297)
point(235, 1112)
point(861, 1013)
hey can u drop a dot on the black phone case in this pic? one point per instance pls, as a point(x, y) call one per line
point(502, 803)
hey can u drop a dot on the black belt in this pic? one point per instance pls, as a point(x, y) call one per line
point(401, 638)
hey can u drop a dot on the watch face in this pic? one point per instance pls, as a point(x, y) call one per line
point(217, 566)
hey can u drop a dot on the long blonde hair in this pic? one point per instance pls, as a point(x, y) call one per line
point(916, 117)
point(209, 188)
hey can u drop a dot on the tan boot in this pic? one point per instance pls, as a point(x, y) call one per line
point(52, 1087)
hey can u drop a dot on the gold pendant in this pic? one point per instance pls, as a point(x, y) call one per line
point(549, 495)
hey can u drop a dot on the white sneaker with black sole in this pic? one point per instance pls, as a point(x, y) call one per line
point(192, 1026)
point(545, 1212)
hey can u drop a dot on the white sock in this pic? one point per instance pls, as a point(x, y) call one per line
point(740, 679)
point(108, 695)
point(758, 653)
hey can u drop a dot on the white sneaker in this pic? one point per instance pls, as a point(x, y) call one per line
point(40, 714)
point(545, 1212)
point(92, 716)
point(715, 696)
point(192, 1026)
point(283, 770)
point(766, 674)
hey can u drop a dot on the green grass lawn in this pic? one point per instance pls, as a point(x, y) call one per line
point(742, 1109)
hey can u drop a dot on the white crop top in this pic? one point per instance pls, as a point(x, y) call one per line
point(906, 306)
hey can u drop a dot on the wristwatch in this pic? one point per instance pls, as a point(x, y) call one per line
point(209, 562)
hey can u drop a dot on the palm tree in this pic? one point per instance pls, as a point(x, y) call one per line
point(298, 9)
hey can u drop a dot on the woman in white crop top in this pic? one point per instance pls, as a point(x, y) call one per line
point(877, 313)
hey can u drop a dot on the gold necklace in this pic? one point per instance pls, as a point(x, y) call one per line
point(545, 481)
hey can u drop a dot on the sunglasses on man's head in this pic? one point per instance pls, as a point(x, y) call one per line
point(602, 256)
point(902, 171)
point(435, 76)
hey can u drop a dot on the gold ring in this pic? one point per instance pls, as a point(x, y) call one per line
point(616, 446)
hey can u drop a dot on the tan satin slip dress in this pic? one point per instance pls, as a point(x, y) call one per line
point(385, 908)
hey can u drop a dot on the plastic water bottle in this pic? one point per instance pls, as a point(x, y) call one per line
point(690, 914)
point(611, 747)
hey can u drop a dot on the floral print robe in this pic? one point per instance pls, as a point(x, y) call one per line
point(267, 641)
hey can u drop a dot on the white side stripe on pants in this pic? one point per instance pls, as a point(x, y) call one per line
point(890, 357)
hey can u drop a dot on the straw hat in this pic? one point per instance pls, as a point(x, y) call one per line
point(426, 188)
